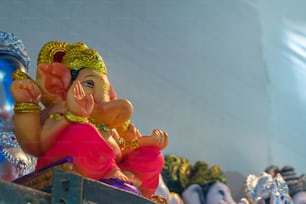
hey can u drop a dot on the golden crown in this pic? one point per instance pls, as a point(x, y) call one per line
point(181, 173)
point(202, 174)
point(75, 56)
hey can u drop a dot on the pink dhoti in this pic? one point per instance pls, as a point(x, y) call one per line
point(146, 163)
point(92, 156)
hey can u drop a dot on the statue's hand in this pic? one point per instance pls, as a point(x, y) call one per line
point(130, 133)
point(25, 90)
point(159, 138)
point(79, 103)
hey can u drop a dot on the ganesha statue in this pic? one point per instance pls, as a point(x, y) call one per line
point(71, 109)
point(266, 188)
point(13, 161)
point(296, 183)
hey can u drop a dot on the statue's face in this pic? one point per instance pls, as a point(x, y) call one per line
point(219, 193)
point(112, 113)
point(299, 198)
point(95, 83)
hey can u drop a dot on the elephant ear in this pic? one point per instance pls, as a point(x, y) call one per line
point(54, 79)
point(193, 194)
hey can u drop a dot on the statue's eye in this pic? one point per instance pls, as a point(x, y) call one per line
point(88, 83)
point(223, 197)
point(222, 193)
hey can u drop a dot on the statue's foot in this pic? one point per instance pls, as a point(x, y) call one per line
point(132, 178)
point(117, 173)
point(123, 185)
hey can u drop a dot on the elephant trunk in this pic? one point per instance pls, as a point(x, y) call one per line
point(114, 113)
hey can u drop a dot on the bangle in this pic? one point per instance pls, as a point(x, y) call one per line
point(56, 116)
point(26, 107)
point(134, 144)
point(126, 125)
point(19, 74)
point(73, 118)
point(123, 144)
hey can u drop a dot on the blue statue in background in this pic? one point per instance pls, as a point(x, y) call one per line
point(13, 161)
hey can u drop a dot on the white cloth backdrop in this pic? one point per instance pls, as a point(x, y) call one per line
point(225, 78)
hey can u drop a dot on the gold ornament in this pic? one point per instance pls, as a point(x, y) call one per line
point(158, 199)
point(126, 125)
point(201, 174)
point(19, 74)
point(180, 173)
point(75, 56)
point(97, 125)
point(73, 118)
point(125, 145)
point(48, 51)
point(27, 107)
point(56, 116)
point(122, 143)
point(134, 144)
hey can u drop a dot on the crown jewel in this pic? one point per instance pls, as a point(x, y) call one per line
point(75, 56)
point(13, 45)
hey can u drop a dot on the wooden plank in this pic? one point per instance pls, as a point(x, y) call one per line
point(40, 180)
point(97, 192)
point(67, 187)
point(13, 193)
point(43, 179)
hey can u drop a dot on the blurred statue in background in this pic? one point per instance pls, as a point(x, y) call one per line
point(171, 197)
point(13, 161)
point(266, 189)
point(296, 184)
point(196, 183)
point(297, 190)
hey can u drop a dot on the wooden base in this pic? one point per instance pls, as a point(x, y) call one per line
point(58, 184)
